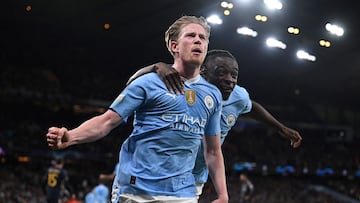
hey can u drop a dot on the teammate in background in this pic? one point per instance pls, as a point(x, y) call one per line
point(168, 128)
point(246, 189)
point(56, 180)
point(221, 69)
point(90, 197)
point(99, 194)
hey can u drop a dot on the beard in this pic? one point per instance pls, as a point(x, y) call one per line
point(195, 60)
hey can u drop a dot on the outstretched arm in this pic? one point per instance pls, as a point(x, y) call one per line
point(259, 113)
point(89, 131)
point(168, 75)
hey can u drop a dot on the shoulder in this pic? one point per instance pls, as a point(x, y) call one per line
point(209, 85)
point(240, 98)
point(212, 89)
point(240, 92)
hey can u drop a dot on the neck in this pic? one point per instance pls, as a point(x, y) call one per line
point(187, 70)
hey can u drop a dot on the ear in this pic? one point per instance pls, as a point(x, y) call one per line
point(173, 46)
point(203, 70)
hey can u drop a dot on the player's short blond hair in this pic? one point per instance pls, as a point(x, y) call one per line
point(173, 32)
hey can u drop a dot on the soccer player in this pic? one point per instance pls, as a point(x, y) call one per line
point(221, 69)
point(56, 179)
point(168, 129)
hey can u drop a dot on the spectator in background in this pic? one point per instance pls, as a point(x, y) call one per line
point(246, 189)
point(73, 199)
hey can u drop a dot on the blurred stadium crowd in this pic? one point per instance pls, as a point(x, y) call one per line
point(326, 168)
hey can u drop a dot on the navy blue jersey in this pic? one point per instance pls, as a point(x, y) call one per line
point(55, 177)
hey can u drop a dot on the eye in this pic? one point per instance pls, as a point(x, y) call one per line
point(234, 74)
point(202, 36)
point(220, 71)
point(190, 35)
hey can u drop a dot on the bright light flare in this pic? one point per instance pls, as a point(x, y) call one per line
point(334, 29)
point(272, 42)
point(301, 54)
point(214, 19)
point(273, 4)
point(246, 31)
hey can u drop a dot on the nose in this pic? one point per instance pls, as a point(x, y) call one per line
point(229, 78)
point(197, 39)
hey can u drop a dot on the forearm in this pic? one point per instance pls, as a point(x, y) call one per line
point(259, 113)
point(215, 163)
point(93, 129)
point(142, 71)
point(107, 176)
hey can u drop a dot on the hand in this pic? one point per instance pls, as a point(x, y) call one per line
point(220, 200)
point(171, 78)
point(292, 135)
point(102, 176)
point(57, 138)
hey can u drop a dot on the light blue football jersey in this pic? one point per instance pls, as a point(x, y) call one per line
point(115, 189)
point(101, 194)
point(238, 103)
point(159, 155)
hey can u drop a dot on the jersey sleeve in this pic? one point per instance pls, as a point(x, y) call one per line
point(131, 98)
point(245, 103)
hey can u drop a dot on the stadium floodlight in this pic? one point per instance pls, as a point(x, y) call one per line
point(325, 43)
point(271, 42)
point(293, 30)
point(261, 18)
point(224, 4)
point(273, 4)
point(214, 19)
point(301, 54)
point(246, 31)
point(227, 5)
point(334, 29)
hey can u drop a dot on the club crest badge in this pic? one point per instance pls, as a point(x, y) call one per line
point(209, 102)
point(190, 97)
point(230, 120)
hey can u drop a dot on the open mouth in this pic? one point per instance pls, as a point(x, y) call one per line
point(227, 89)
point(197, 50)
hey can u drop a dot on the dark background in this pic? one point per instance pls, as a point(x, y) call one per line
point(70, 35)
